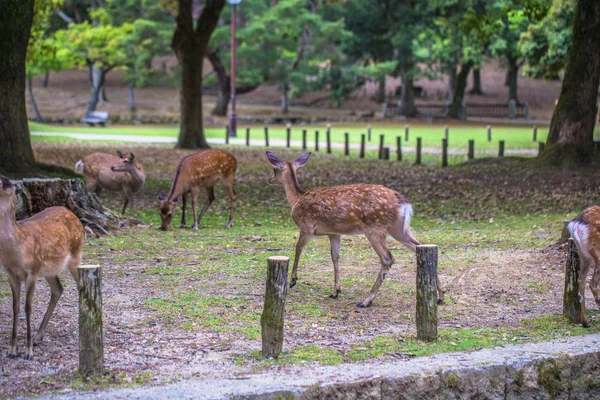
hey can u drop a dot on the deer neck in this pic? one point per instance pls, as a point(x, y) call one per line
point(137, 177)
point(290, 185)
point(9, 230)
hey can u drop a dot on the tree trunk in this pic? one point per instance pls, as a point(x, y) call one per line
point(407, 97)
point(570, 140)
point(513, 77)
point(460, 85)
point(131, 98)
point(476, 82)
point(380, 95)
point(97, 79)
point(38, 116)
point(190, 46)
point(284, 98)
point(451, 83)
point(16, 153)
point(224, 95)
point(46, 79)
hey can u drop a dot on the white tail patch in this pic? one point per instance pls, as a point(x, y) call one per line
point(406, 211)
point(578, 232)
point(79, 167)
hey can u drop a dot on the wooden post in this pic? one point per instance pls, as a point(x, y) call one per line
point(386, 153)
point(444, 152)
point(226, 134)
point(489, 132)
point(271, 321)
point(446, 132)
point(266, 136)
point(369, 132)
point(381, 139)
point(571, 305)
point(288, 134)
point(471, 153)
point(247, 136)
point(535, 133)
point(418, 153)
point(346, 144)
point(91, 338)
point(328, 136)
point(406, 133)
point(565, 234)
point(399, 148)
point(501, 148)
point(303, 139)
point(427, 295)
point(316, 140)
point(541, 146)
point(362, 146)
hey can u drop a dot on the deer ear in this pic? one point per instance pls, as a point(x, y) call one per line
point(6, 185)
point(131, 156)
point(300, 161)
point(120, 154)
point(274, 160)
point(160, 196)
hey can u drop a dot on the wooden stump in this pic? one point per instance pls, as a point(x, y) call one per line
point(444, 152)
point(565, 234)
point(399, 148)
point(418, 153)
point(427, 294)
point(272, 318)
point(362, 146)
point(346, 144)
point(471, 153)
point(91, 339)
point(248, 136)
point(571, 305)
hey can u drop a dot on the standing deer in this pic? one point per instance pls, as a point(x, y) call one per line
point(115, 174)
point(585, 230)
point(200, 170)
point(38, 247)
point(371, 210)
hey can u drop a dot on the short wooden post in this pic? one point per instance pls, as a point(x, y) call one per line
point(369, 132)
point(328, 137)
point(427, 294)
point(444, 152)
point(316, 140)
point(501, 148)
point(303, 139)
point(541, 146)
point(247, 136)
point(266, 136)
point(226, 134)
point(471, 153)
point(386, 153)
point(272, 318)
point(288, 134)
point(446, 132)
point(381, 139)
point(489, 132)
point(91, 338)
point(535, 133)
point(571, 304)
point(406, 133)
point(399, 148)
point(418, 153)
point(346, 144)
point(565, 234)
point(362, 146)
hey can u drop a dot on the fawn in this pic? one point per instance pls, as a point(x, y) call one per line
point(200, 170)
point(585, 230)
point(371, 210)
point(38, 247)
point(115, 174)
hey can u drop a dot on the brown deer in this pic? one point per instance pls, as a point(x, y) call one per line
point(200, 170)
point(585, 231)
point(115, 174)
point(38, 247)
point(371, 210)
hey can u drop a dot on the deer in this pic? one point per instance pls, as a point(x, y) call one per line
point(41, 246)
point(358, 209)
point(204, 169)
point(115, 174)
point(585, 231)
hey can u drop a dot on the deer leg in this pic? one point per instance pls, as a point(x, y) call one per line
point(335, 256)
point(125, 202)
point(583, 271)
point(595, 282)
point(128, 199)
point(16, 296)
point(228, 184)
point(183, 201)
point(29, 290)
point(303, 239)
point(56, 290)
point(377, 240)
point(210, 197)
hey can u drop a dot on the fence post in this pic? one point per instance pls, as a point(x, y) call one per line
point(316, 140)
point(446, 131)
point(512, 109)
point(226, 134)
point(427, 295)
point(418, 153)
point(303, 139)
point(471, 153)
point(541, 146)
point(271, 320)
point(346, 144)
point(288, 134)
point(369, 132)
point(91, 338)
point(535, 133)
point(406, 133)
point(573, 309)
point(362, 146)
point(501, 148)
point(489, 132)
point(399, 148)
point(247, 136)
point(328, 136)
point(386, 153)
point(444, 152)
point(381, 139)
point(266, 136)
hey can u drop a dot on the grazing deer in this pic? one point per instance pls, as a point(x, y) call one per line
point(38, 247)
point(115, 174)
point(371, 210)
point(585, 230)
point(200, 170)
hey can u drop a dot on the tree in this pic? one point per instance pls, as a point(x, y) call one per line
point(570, 140)
point(194, 27)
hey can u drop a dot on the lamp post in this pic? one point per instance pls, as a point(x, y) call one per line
point(233, 117)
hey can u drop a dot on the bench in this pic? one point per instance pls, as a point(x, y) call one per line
point(95, 117)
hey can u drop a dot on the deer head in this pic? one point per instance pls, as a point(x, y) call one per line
point(281, 169)
point(166, 209)
point(126, 163)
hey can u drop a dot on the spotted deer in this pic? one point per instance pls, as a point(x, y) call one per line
point(42, 246)
point(116, 174)
point(200, 170)
point(371, 210)
point(585, 230)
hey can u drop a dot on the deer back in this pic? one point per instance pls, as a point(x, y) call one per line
point(202, 169)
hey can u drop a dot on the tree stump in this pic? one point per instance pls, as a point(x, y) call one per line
point(272, 317)
point(572, 307)
point(91, 339)
point(427, 294)
point(565, 234)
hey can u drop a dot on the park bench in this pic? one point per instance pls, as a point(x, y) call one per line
point(95, 117)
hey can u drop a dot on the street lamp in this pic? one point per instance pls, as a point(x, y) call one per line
point(233, 120)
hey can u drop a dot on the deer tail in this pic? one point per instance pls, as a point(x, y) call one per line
point(578, 230)
point(79, 167)
point(406, 211)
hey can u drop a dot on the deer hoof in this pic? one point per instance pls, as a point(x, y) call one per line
point(362, 305)
point(37, 341)
point(195, 228)
point(182, 226)
point(440, 301)
point(28, 357)
point(292, 283)
point(12, 355)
